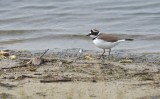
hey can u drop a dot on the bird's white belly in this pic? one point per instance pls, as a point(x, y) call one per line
point(104, 44)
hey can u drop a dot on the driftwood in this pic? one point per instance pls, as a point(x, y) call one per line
point(55, 79)
point(7, 85)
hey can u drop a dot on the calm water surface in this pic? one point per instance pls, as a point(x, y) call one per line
point(42, 24)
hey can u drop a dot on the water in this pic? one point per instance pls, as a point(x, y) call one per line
point(42, 24)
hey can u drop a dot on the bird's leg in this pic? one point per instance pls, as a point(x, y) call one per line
point(109, 53)
point(102, 55)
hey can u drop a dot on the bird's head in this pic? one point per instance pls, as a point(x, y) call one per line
point(93, 33)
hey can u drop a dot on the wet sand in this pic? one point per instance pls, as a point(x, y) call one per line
point(67, 74)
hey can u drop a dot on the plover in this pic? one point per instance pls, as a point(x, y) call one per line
point(105, 41)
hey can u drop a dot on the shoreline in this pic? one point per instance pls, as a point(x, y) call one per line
point(67, 73)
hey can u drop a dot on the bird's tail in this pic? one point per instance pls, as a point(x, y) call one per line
point(129, 39)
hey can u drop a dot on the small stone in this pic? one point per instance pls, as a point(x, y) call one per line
point(12, 57)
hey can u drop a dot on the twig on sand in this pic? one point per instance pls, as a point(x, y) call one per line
point(44, 53)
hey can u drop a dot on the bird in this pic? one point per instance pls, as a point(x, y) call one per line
point(105, 41)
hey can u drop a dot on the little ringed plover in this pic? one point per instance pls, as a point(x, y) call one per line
point(105, 41)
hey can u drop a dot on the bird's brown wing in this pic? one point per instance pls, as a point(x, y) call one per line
point(108, 37)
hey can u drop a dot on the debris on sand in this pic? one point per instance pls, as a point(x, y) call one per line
point(5, 54)
point(37, 60)
point(88, 57)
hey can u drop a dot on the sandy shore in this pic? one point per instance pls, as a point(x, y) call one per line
point(67, 74)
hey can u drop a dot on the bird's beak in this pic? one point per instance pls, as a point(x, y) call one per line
point(88, 34)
